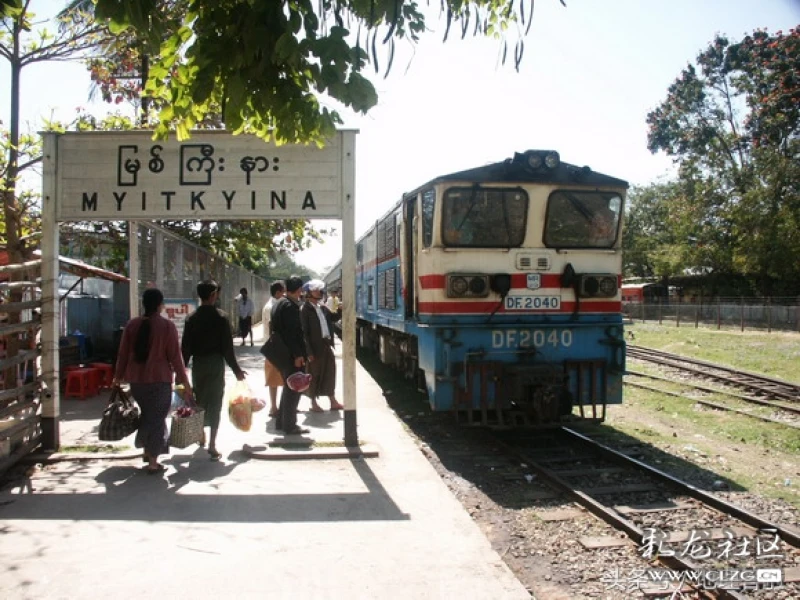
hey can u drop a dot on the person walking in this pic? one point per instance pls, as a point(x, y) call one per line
point(333, 303)
point(208, 342)
point(285, 320)
point(318, 336)
point(272, 374)
point(148, 357)
point(245, 307)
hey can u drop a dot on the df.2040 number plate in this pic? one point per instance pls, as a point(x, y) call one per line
point(532, 302)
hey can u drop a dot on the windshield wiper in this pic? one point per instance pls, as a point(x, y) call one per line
point(469, 210)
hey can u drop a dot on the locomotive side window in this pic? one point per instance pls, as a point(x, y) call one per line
point(581, 219)
point(484, 217)
point(428, 206)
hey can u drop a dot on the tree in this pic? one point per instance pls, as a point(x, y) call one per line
point(266, 64)
point(9, 7)
point(23, 43)
point(732, 123)
point(646, 234)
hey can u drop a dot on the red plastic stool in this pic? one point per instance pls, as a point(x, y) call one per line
point(69, 368)
point(79, 383)
point(95, 379)
point(106, 373)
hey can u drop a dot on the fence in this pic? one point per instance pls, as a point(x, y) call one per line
point(165, 260)
point(778, 314)
point(20, 375)
point(176, 266)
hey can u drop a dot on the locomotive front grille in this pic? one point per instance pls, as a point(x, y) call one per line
point(532, 394)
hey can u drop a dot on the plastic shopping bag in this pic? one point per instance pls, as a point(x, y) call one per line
point(257, 404)
point(177, 398)
point(240, 408)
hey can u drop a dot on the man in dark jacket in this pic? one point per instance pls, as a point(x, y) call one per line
point(285, 320)
point(207, 338)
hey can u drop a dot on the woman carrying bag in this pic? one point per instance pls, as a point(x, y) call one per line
point(149, 356)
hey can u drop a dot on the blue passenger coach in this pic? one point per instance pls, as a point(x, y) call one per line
point(498, 289)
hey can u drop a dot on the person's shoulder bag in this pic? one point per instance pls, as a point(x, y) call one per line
point(275, 349)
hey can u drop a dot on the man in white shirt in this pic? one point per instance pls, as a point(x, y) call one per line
point(272, 375)
point(245, 306)
point(333, 303)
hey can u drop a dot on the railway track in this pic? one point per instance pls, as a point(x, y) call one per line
point(788, 416)
point(675, 524)
point(754, 383)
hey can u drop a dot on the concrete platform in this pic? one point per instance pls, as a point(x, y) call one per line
point(352, 527)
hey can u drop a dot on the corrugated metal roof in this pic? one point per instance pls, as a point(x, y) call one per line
point(75, 267)
point(82, 269)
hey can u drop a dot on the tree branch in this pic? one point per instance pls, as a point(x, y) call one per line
point(29, 164)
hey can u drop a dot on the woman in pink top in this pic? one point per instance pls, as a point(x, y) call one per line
point(149, 354)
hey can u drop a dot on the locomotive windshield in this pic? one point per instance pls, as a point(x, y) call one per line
point(484, 217)
point(580, 219)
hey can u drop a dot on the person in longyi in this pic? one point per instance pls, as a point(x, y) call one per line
point(208, 342)
point(149, 354)
point(285, 320)
point(272, 375)
point(318, 335)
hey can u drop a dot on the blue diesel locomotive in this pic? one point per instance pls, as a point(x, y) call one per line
point(498, 289)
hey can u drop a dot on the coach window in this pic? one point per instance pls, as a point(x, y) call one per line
point(428, 206)
point(484, 217)
point(581, 219)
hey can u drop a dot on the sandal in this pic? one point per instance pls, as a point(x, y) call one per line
point(337, 406)
point(316, 409)
point(273, 413)
point(214, 454)
point(157, 469)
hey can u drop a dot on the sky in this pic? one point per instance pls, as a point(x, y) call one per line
point(590, 74)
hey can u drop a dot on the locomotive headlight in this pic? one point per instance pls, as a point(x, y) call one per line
point(597, 285)
point(458, 286)
point(538, 161)
point(477, 286)
point(552, 160)
point(608, 286)
point(535, 161)
point(467, 286)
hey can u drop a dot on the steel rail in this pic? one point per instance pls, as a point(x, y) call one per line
point(613, 518)
point(789, 535)
point(715, 405)
point(764, 385)
point(742, 397)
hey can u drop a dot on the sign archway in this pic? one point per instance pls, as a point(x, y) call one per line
point(215, 175)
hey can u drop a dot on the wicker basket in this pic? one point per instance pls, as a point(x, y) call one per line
point(186, 431)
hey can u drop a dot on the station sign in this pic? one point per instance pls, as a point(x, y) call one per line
point(214, 175)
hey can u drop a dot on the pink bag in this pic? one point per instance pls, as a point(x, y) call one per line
point(299, 382)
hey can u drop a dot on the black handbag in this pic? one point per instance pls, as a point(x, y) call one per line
point(277, 352)
point(120, 417)
point(275, 349)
